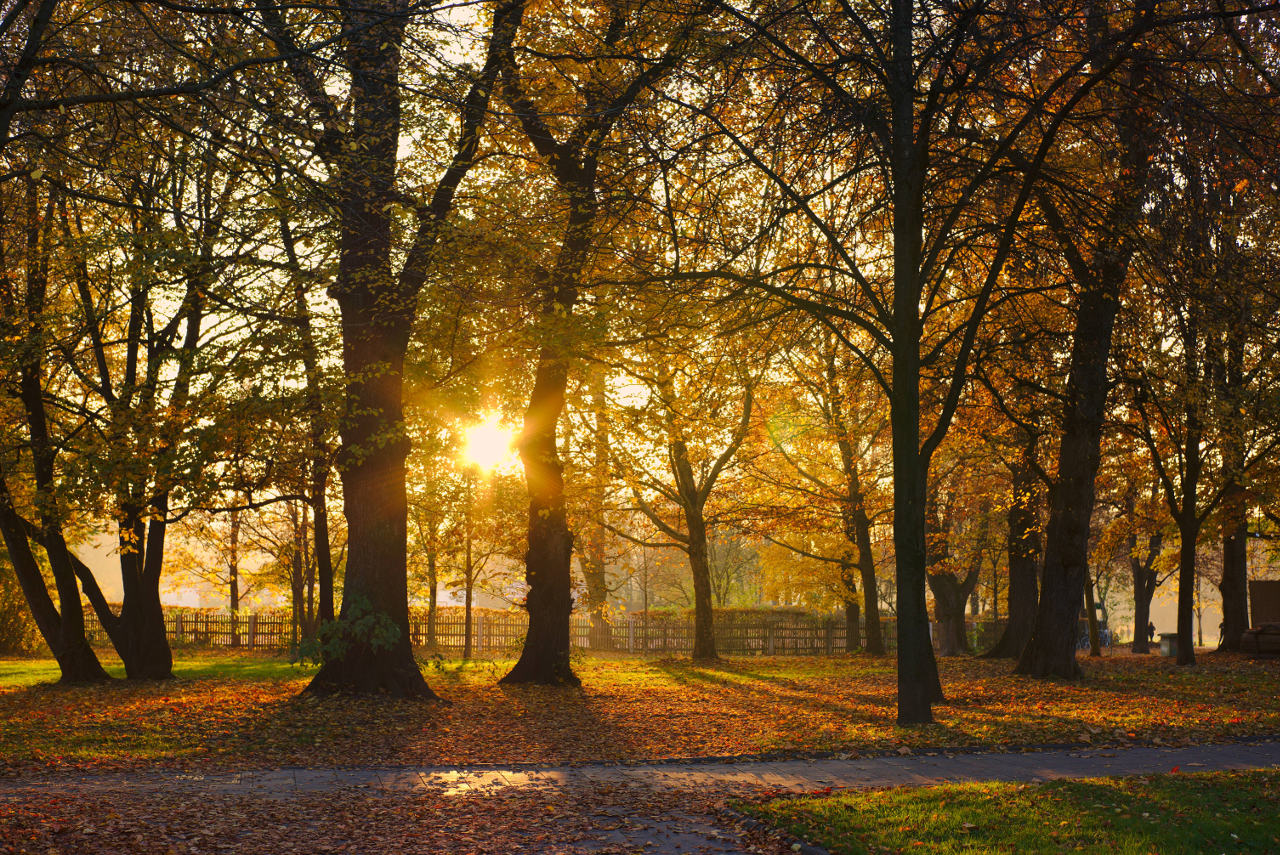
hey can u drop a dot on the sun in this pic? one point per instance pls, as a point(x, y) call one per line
point(488, 444)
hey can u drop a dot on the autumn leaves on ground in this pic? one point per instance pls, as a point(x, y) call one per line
point(242, 711)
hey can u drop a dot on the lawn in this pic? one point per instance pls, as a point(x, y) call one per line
point(1169, 814)
point(243, 710)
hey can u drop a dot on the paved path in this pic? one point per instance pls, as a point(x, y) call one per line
point(659, 807)
point(729, 778)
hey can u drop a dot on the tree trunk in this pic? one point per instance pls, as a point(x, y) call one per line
point(948, 608)
point(704, 634)
point(76, 659)
point(852, 632)
point(140, 637)
point(870, 591)
point(466, 622)
point(319, 463)
point(853, 517)
point(1091, 615)
point(1188, 533)
point(950, 594)
point(323, 549)
point(918, 683)
point(1142, 593)
point(1024, 560)
point(1051, 649)
point(1234, 586)
point(433, 596)
point(377, 314)
point(373, 474)
point(545, 656)
point(593, 555)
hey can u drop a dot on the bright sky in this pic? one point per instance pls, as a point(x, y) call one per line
point(489, 444)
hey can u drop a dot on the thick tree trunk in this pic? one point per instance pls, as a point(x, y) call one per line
point(950, 594)
point(918, 684)
point(377, 314)
point(545, 656)
point(704, 633)
point(948, 607)
point(1051, 649)
point(76, 659)
point(376, 509)
point(1189, 532)
point(852, 629)
point(1024, 563)
point(1234, 586)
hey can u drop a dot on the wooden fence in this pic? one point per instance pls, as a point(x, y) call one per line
point(497, 633)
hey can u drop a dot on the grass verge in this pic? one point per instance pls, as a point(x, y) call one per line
point(1167, 814)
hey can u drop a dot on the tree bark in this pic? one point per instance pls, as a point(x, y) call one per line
point(704, 634)
point(1091, 614)
point(433, 594)
point(76, 659)
point(852, 631)
point(1189, 533)
point(949, 597)
point(1024, 558)
point(1234, 586)
point(950, 592)
point(377, 314)
point(1145, 582)
point(1051, 649)
point(545, 655)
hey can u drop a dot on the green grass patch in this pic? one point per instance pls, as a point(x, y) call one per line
point(187, 665)
point(1168, 814)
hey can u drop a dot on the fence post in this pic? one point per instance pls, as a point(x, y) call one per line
point(768, 637)
point(253, 630)
point(177, 627)
point(831, 635)
point(631, 633)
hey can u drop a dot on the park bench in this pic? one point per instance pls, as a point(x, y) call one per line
point(1263, 640)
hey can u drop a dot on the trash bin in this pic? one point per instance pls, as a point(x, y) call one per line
point(1169, 644)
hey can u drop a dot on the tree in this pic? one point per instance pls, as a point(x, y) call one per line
point(575, 139)
point(378, 307)
point(703, 432)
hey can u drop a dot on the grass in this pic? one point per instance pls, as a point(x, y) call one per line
point(187, 665)
point(1168, 814)
point(243, 710)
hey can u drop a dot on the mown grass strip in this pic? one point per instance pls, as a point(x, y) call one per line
point(1167, 814)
